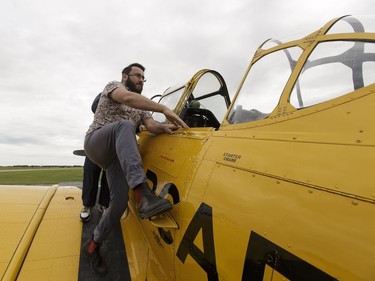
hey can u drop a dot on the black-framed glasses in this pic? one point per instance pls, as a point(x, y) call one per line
point(139, 76)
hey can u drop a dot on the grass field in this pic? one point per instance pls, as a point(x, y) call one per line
point(40, 175)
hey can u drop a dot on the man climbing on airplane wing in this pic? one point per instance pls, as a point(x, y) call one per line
point(111, 143)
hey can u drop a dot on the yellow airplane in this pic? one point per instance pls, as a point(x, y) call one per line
point(282, 188)
point(274, 185)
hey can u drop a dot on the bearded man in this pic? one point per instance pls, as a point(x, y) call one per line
point(110, 142)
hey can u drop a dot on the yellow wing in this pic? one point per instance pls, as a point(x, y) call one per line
point(40, 233)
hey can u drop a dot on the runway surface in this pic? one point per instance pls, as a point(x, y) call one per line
point(112, 250)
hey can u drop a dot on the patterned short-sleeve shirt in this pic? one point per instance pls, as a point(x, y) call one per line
point(110, 111)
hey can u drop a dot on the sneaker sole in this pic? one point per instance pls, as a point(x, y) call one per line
point(85, 219)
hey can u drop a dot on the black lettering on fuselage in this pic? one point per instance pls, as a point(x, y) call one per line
point(168, 188)
point(206, 259)
point(153, 178)
point(261, 251)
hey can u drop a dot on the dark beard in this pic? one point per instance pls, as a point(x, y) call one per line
point(132, 87)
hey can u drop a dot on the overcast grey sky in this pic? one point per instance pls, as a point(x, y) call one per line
point(55, 56)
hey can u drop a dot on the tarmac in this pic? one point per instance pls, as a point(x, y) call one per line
point(112, 249)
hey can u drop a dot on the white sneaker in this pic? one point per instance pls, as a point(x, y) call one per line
point(102, 209)
point(85, 214)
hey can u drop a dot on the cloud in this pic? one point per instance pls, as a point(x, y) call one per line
point(56, 57)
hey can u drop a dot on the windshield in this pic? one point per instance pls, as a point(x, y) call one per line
point(170, 100)
point(263, 86)
point(353, 24)
point(210, 93)
point(333, 69)
point(202, 102)
point(330, 67)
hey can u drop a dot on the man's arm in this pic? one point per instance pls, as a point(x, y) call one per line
point(157, 128)
point(138, 101)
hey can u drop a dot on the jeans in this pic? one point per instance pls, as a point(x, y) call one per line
point(91, 175)
point(114, 148)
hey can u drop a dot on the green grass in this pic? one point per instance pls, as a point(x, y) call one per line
point(40, 175)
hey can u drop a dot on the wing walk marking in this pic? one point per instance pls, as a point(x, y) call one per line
point(112, 250)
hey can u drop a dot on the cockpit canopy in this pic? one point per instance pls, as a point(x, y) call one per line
point(336, 60)
point(201, 102)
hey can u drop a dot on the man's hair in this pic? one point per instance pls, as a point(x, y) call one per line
point(127, 69)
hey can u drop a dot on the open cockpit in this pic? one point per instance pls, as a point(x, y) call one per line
point(201, 102)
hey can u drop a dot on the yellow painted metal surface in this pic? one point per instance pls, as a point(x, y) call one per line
point(21, 210)
point(41, 233)
point(314, 225)
point(175, 158)
point(288, 196)
point(136, 245)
